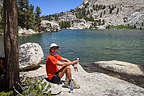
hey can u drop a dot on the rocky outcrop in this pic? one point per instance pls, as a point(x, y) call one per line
point(82, 24)
point(26, 32)
point(113, 11)
point(130, 72)
point(95, 84)
point(104, 13)
point(121, 67)
point(136, 19)
point(101, 27)
point(41, 71)
point(30, 56)
point(48, 26)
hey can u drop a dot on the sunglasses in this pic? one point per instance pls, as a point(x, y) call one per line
point(55, 48)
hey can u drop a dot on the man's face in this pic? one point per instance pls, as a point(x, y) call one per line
point(54, 50)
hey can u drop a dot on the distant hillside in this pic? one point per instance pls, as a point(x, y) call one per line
point(102, 13)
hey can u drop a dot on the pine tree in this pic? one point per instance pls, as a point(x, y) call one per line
point(21, 13)
point(104, 12)
point(65, 24)
point(37, 18)
point(101, 14)
point(11, 79)
point(134, 26)
point(31, 21)
point(142, 24)
point(117, 11)
point(27, 15)
point(103, 22)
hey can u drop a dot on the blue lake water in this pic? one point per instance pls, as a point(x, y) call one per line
point(94, 45)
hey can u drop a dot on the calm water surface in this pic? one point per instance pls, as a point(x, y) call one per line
point(94, 45)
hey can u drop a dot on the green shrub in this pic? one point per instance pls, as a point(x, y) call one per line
point(65, 24)
point(117, 11)
point(31, 88)
point(36, 88)
point(6, 93)
point(120, 27)
point(81, 13)
point(89, 18)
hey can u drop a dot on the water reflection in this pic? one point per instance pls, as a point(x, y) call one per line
point(94, 45)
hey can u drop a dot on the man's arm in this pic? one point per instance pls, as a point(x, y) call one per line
point(65, 59)
point(67, 63)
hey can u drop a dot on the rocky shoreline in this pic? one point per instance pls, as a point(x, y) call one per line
point(92, 84)
point(122, 70)
point(31, 56)
point(46, 26)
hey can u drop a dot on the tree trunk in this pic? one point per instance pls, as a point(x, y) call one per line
point(11, 43)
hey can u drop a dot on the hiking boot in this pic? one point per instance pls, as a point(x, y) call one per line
point(66, 83)
point(74, 84)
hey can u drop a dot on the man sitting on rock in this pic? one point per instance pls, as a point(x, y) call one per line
point(57, 66)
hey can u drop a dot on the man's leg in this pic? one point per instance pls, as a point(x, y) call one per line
point(66, 70)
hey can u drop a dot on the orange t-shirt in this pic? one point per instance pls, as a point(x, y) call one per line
point(51, 66)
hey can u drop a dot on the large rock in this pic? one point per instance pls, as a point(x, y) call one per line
point(96, 84)
point(30, 56)
point(130, 72)
point(121, 67)
point(136, 19)
point(101, 27)
point(69, 16)
point(48, 26)
point(41, 71)
point(26, 32)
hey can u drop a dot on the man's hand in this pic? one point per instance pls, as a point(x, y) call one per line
point(75, 62)
point(75, 68)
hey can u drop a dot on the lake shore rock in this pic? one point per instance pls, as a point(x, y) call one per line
point(30, 56)
point(121, 67)
point(49, 26)
point(92, 84)
point(26, 31)
point(123, 70)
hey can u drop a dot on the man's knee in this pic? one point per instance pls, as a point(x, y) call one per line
point(68, 68)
